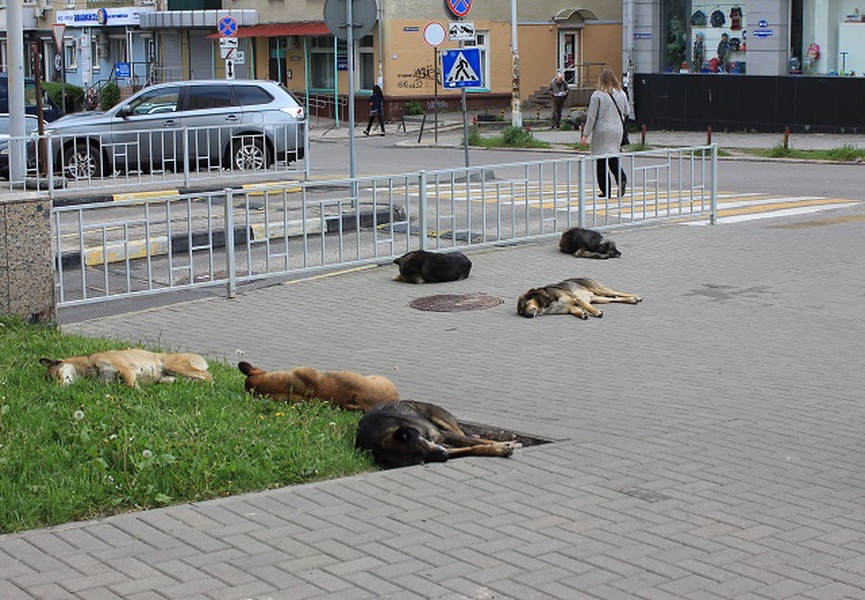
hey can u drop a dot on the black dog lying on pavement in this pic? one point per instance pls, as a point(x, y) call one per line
point(422, 266)
point(406, 432)
point(585, 243)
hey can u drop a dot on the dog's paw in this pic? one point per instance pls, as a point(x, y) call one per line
point(637, 300)
point(600, 314)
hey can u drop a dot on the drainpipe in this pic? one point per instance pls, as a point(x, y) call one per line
point(380, 44)
point(629, 54)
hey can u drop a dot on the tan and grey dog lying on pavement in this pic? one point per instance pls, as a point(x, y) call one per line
point(131, 366)
point(345, 389)
point(571, 297)
point(403, 433)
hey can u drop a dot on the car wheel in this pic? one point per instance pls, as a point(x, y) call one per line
point(249, 153)
point(81, 160)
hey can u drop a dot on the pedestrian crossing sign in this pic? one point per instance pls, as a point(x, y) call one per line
point(461, 68)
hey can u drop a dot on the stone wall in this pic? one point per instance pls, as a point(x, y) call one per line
point(26, 272)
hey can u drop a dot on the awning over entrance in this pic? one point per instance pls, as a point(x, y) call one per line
point(300, 28)
point(574, 15)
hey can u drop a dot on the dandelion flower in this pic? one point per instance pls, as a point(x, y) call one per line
point(78, 414)
point(147, 454)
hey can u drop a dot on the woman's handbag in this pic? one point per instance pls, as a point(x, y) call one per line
point(625, 139)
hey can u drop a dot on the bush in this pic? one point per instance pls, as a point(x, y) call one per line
point(516, 137)
point(846, 153)
point(413, 107)
point(73, 92)
point(109, 95)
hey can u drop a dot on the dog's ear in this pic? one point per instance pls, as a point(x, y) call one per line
point(247, 369)
point(49, 362)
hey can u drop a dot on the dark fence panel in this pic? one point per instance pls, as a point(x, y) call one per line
point(750, 103)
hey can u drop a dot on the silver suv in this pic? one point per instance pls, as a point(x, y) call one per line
point(210, 123)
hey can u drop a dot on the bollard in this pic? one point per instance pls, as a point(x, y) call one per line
point(709, 135)
point(643, 135)
point(786, 138)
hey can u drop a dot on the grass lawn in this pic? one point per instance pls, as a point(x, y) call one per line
point(94, 449)
point(846, 153)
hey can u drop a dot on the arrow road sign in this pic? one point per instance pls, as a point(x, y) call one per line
point(461, 68)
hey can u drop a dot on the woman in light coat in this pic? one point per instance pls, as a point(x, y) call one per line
point(605, 128)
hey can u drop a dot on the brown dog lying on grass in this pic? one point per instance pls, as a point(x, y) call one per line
point(345, 389)
point(131, 366)
point(406, 433)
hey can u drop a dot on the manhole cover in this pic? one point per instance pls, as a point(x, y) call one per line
point(455, 302)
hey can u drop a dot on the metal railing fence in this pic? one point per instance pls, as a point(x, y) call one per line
point(177, 156)
point(154, 245)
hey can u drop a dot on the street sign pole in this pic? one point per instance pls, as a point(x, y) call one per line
point(349, 23)
point(465, 124)
point(436, 93)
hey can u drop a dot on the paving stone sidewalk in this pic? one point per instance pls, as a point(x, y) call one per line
point(708, 442)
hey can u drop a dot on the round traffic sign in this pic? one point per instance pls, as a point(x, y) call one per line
point(434, 34)
point(460, 8)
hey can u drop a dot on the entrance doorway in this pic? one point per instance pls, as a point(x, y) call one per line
point(569, 56)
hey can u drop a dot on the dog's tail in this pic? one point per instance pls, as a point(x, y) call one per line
point(247, 369)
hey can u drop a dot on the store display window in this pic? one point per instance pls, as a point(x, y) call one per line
point(711, 38)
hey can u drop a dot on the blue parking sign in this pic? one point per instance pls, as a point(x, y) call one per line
point(461, 68)
point(122, 70)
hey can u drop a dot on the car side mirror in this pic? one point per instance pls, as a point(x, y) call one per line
point(125, 111)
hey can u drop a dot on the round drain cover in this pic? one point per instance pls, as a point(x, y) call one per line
point(455, 302)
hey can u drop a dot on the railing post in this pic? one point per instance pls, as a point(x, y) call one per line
point(713, 217)
point(422, 211)
point(187, 156)
point(581, 209)
point(230, 265)
point(49, 167)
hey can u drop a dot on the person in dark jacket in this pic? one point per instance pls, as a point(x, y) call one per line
point(376, 109)
point(558, 89)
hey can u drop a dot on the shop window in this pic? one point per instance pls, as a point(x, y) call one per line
point(71, 54)
point(322, 63)
point(482, 43)
point(717, 42)
point(704, 37)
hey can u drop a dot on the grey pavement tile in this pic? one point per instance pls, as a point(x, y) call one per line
point(712, 458)
point(10, 591)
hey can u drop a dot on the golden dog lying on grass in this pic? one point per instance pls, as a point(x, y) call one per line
point(130, 366)
point(345, 389)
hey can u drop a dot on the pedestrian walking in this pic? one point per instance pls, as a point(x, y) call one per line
point(376, 109)
point(606, 128)
point(559, 92)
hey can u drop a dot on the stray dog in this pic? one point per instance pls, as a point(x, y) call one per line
point(345, 389)
point(406, 433)
point(421, 266)
point(571, 297)
point(585, 243)
point(130, 366)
